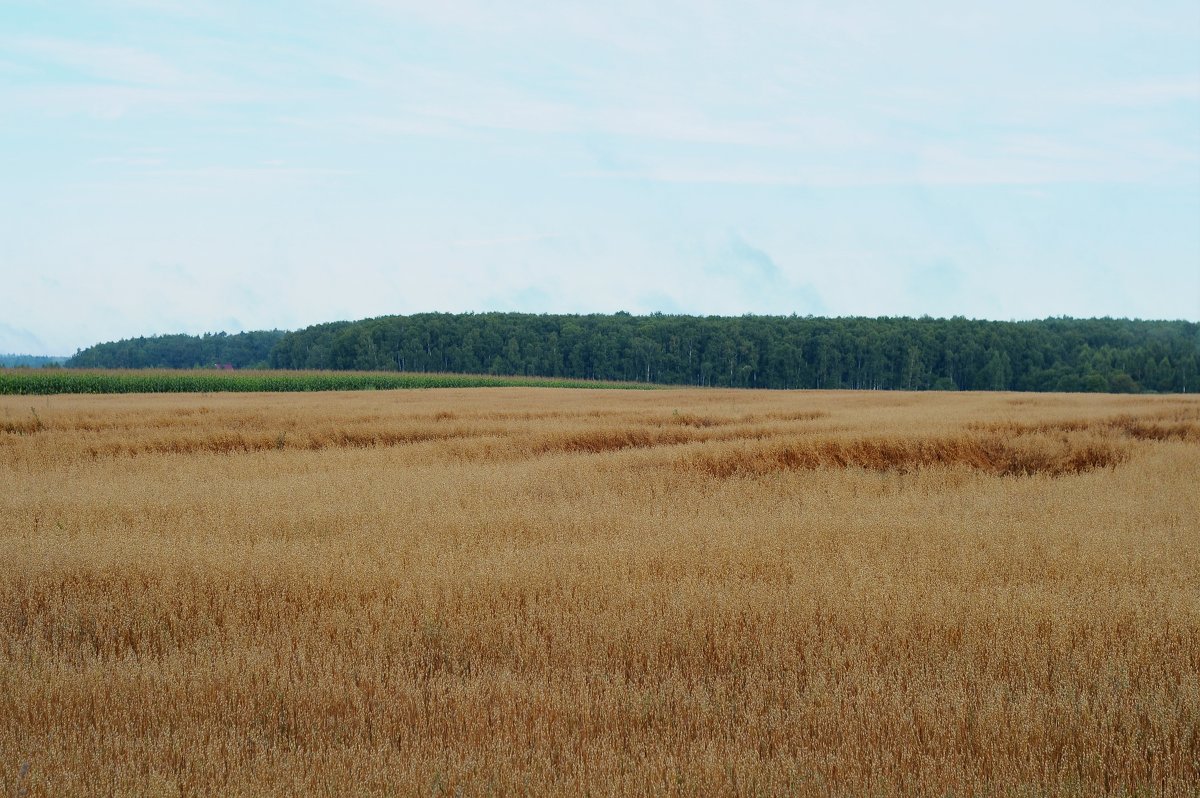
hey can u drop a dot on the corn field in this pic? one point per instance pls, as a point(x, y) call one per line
point(660, 593)
point(35, 382)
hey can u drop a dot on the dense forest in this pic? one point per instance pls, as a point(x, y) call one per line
point(1061, 354)
point(241, 350)
point(1058, 354)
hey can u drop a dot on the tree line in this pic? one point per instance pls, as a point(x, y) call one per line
point(240, 350)
point(1056, 354)
point(9, 361)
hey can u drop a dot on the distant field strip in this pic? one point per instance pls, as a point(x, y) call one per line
point(608, 593)
point(32, 382)
point(740, 445)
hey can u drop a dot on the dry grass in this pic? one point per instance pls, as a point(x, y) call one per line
point(555, 592)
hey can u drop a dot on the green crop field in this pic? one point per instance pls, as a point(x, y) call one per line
point(56, 381)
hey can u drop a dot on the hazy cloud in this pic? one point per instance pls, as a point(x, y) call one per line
point(399, 156)
point(18, 341)
point(752, 261)
point(504, 241)
point(935, 286)
point(808, 301)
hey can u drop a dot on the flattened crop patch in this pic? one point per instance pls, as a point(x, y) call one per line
point(990, 454)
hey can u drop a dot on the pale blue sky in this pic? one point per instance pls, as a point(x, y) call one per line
point(175, 166)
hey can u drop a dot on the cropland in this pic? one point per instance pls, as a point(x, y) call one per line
point(44, 382)
point(533, 591)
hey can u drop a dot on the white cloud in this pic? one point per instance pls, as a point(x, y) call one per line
point(1135, 94)
point(127, 65)
point(569, 156)
point(504, 241)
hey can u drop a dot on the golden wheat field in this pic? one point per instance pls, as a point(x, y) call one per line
point(557, 592)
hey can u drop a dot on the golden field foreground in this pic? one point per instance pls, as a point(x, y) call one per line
point(542, 591)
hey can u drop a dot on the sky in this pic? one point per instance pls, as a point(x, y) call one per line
point(171, 166)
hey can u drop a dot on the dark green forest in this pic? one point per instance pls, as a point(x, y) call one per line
point(241, 350)
point(1058, 354)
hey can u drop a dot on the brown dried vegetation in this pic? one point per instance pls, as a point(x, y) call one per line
point(536, 591)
